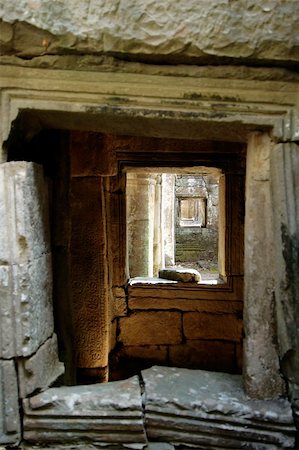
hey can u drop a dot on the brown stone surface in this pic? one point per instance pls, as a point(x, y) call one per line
point(184, 304)
point(150, 328)
point(89, 279)
point(208, 355)
point(212, 326)
point(157, 353)
point(90, 157)
point(119, 307)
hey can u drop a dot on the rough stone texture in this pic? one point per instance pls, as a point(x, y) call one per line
point(285, 196)
point(183, 275)
point(184, 407)
point(150, 328)
point(157, 353)
point(99, 161)
point(26, 318)
point(194, 29)
point(208, 355)
point(103, 413)
point(261, 363)
point(10, 428)
point(24, 221)
point(40, 370)
point(212, 326)
point(89, 273)
point(119, 302)
point(184, 304)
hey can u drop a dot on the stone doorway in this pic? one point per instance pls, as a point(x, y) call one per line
point(261, 369)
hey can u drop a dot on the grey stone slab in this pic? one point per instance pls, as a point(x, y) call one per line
point(190, 406)
point(194, 29)
point(10, 429)
point(41, 370)
point(26, 318)
point(26, 315)
point(103, 413)
point(24, 221)
point(7, 314)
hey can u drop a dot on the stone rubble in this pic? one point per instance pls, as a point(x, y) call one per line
point(183, 407)
point(102, 413)
point(178, 407)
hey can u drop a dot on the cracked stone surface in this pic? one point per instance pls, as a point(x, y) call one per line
point(257, 30)
point(184, 406)
point(174, 407)
point(108, 413)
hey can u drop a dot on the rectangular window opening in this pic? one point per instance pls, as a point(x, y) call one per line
point(175, 225)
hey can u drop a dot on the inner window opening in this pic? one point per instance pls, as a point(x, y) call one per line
point(173, 224)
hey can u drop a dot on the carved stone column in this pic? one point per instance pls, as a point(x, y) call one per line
point(140, 220)
point(168, 220)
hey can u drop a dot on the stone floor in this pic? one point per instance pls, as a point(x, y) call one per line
point(163, 409)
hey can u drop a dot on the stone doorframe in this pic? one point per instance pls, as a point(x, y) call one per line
point(262, 113)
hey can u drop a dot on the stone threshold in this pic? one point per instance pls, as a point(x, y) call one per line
point(163, 409)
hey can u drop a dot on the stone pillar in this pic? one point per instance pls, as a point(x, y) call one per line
point(158, 229)
point(262, 376)
point(89, 277)
point(285, 197)
point(140, 223)
point(27, 339)
point(222, 227)
point(168, 219)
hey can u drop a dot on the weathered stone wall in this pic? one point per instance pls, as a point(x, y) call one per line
point(181, 31)
point(82, 36)
point(28, 351)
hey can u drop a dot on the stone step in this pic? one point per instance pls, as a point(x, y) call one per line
point(107, 413)
point(211, 410)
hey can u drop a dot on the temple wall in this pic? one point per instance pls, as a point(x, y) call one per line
point(168, 73)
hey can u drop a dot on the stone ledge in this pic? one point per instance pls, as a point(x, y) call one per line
point(196, 407)
point(104, 413)
point(181, 407)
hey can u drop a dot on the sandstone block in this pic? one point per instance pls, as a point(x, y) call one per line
point(212, 326)
point(192, 30)
point(183, 275)
point(26, 317)
point(10, 428)
point(151, 328)
point(120, 304)
point(194, 407)
point(108, 413)
point(183, 304)
point(208, 355)
point(40, 370)
point(24, 221)
point(157, 353)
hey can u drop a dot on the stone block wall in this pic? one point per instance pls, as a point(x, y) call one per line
point(171, 326)
point(28, 344)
